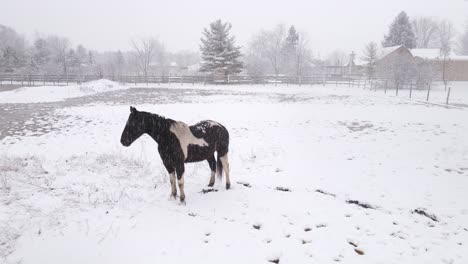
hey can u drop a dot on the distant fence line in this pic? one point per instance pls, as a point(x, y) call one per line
point(374, 85)
point(39, 79)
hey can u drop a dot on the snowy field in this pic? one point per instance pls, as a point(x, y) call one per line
point(319, 175)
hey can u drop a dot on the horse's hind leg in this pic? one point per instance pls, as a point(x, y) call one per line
point(180, 169)
point(212, 163)
point(173, 185)
point(225, 162)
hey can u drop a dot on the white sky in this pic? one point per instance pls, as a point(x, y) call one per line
point(110, 24)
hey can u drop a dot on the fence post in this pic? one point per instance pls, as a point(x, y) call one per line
point(448, 95)
point(428, 92)
point(397, 88)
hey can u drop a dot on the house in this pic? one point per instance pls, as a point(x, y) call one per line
point(456, 67)
point(399, 58)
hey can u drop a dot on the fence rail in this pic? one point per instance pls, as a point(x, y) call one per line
point(37, 79)
point(418, 91)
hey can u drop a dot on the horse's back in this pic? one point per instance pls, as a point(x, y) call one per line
point(213, 132)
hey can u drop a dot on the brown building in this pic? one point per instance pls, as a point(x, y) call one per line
point(422, 61)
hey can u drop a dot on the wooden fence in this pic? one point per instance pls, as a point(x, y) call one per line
point(41, 80)
point(7, 81)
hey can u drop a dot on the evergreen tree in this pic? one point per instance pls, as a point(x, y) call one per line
point(291, 40)
point(290, 51)
point(219, 52)
point(400, 33)
point(81, 55)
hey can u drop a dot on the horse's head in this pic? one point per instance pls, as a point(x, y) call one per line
point(134, 127)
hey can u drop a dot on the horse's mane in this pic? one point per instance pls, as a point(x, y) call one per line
point(159, 117)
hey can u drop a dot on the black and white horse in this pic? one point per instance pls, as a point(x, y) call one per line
point(179, 143)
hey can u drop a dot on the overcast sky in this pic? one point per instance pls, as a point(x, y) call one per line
point(110, 24)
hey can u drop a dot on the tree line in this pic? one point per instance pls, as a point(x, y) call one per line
point(55, 55)
point(281, 50)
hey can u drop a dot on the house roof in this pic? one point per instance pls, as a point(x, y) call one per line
point(425, 54)
point(387, 50)
point(428, 54)
point(434, 54)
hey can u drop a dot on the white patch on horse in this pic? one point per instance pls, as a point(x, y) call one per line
point(185, 136)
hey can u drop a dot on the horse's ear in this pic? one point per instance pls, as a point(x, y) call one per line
point(132, 109)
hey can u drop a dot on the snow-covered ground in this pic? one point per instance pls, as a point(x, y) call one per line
point(54, 93)
point(320, 174)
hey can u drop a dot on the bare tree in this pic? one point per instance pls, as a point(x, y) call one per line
point(119, 61)
point(303, 54)
point(337, 58)
point(463, 41)
point(370, 57)
point(60, 51)
point(272, 45)
point(425, 29)
point(255, 62)
point(446, 34)
point(145, 50)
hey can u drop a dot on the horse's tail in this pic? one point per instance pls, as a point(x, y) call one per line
point(219, 168)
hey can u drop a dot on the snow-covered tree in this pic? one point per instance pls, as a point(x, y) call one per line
point(218, 49)
point(370, 57)
point(60, 52)
point(463, 42)
point(425, 30)
point(400, 33)
point(41, 52)
point(13, 53)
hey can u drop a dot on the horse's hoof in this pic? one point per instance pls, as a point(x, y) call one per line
point(210, 184)
point(182, 202)
point(228, 186)
point(173, 197)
